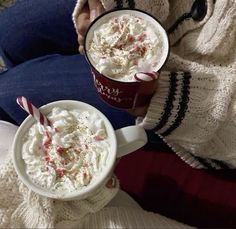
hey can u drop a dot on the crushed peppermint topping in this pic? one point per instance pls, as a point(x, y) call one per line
point(66, 156)
point(123, 45)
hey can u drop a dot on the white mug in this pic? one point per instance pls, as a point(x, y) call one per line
point(122, 142)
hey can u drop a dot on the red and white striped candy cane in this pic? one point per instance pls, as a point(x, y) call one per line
point(26, 105)
point(145, 76)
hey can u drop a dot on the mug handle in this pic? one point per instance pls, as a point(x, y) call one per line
point(129, 139)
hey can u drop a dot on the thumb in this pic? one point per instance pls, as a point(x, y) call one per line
point(96, 8)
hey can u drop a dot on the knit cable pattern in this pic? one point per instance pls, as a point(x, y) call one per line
point(22, 208)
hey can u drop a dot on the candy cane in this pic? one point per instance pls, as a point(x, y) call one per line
point(145, 76)
point(26, 105)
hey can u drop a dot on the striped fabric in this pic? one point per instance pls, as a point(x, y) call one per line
point(125, 4)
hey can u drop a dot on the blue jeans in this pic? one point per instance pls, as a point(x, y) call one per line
point(39, 45)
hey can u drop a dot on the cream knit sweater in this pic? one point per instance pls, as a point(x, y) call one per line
point(194, 106)
point(22, 208)
point(193, 110)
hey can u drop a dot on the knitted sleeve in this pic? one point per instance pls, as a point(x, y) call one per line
point(158, 8)
point(129, 217)
point(194, 113)
point(20, 207)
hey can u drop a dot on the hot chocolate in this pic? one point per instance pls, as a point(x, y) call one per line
point(70, 154)
point(125, 45)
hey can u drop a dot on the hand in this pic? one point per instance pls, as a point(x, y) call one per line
point(90, 11)
point(139, 111)
point(142, 111)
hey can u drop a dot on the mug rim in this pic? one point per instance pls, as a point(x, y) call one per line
point(77, 194)
point(124, 9)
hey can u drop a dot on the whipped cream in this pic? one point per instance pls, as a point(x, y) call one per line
point(69, 155)
point(124, 46)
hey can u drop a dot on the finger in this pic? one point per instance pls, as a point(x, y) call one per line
point(81, 44)
point(83, 20)
point(93, 9)
point(80, 39)
point(96, 8)
point(81, 49)
point(83, 27)
point(139, 111)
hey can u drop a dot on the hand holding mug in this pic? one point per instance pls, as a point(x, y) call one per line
point(138, 111)
point(126, 50)
point(91, 10)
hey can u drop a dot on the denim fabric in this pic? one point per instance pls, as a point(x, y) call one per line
point(33, 28)
point(39, 44)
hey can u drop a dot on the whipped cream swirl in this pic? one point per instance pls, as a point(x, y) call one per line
point(124, 46)
point(68, 156)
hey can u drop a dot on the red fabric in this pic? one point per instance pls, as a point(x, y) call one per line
point(163, 183)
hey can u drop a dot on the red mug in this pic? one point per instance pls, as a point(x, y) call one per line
point(126, 94)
